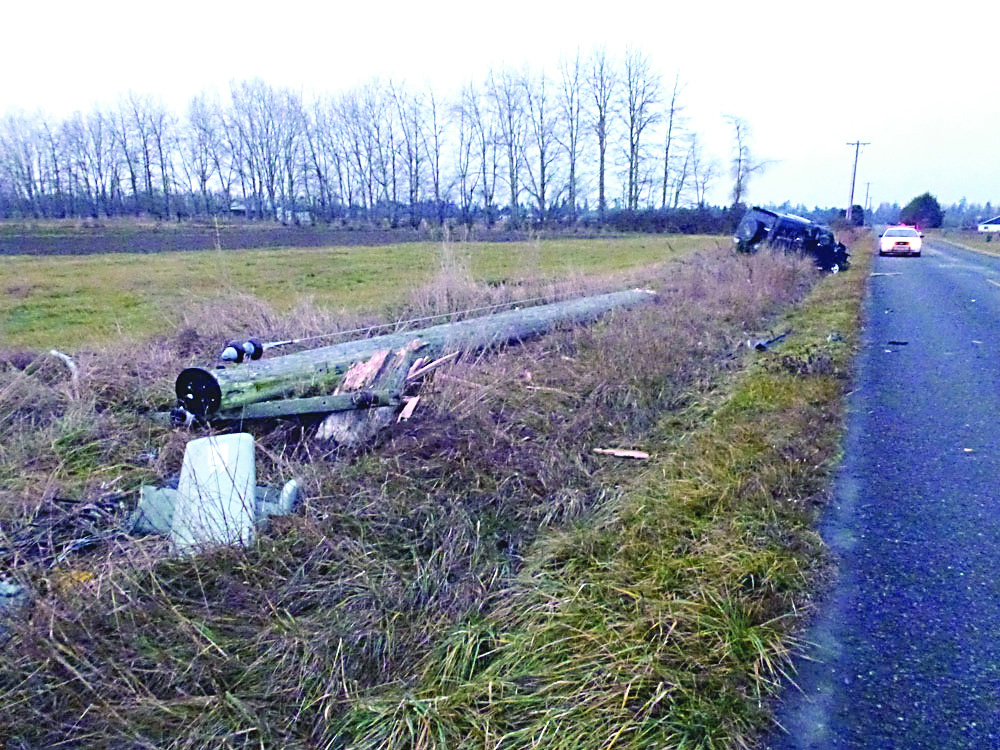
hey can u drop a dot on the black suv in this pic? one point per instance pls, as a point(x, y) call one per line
point(788, 232)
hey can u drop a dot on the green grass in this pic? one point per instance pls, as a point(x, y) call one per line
point(669, 618)
point(970, 239)
point(68, 302)
point(479, 578)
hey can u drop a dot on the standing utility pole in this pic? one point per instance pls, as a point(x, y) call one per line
point(857, 148)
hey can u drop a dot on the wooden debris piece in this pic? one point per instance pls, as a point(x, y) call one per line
point(362, 374)
point(418, 364)
point(350, 428)
point(621, 453)
point(407, 411)
point(424, 368)
point(74, 372)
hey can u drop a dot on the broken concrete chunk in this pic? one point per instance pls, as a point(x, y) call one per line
point(155, 511)
point(216, 500)
point(215, 495)
point(14, 600)
point(271, 502)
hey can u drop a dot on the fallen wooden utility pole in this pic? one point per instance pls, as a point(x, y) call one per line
point(369, 372)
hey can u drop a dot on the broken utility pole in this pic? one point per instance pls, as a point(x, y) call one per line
point(369, 372)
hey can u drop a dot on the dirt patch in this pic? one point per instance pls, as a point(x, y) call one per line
point(20, 291)
point(87, 241)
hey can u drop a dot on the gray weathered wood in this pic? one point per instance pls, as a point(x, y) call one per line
point(206, 392)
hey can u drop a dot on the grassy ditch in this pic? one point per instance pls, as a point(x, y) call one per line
point(480, 577)
point(668, 618)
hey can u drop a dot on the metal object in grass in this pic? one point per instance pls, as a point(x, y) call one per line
point(762, 345)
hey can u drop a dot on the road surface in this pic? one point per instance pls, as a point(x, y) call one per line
point(906, 648)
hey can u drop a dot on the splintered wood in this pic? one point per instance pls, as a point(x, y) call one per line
point(621, 453)
point(384, 370)
point(407, 412)
point(362, 374)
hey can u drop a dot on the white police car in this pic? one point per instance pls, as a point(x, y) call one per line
point(900, 240)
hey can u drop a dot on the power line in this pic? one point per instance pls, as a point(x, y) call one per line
point(857, 149)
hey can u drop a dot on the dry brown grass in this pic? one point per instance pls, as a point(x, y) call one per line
point(395, 544)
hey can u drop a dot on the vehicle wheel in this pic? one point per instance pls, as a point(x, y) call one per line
point(917, 254)
point(750, 232)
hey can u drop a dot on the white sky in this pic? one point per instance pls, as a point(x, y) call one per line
point(913, 79)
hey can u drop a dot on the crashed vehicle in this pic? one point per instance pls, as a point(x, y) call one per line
point(760, 226)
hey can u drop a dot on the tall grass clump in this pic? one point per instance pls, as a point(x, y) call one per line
point(668, 617)
point(478, 577)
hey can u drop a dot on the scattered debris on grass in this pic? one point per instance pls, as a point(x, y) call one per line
point(762, 345)
point(621, 453)
point(332, 627)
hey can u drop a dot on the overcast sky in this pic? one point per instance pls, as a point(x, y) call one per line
point(808, 77)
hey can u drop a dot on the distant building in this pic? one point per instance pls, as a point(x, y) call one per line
point(288, 216)
point(992, 225)
point(283, 214)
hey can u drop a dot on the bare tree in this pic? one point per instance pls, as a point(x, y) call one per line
point(125, 144)
point(742, 165)
point(140, 128)
point(466, 175)
point(542, 141)
point(409, 109)
point(76, 153)
point(101, 159)
point(201, 145)
point(52, 168)
point(324, 157)
point(484, 125)
point(681, 175)
point(255, 116)
point(568, 136)
point(703, 171)
point(603, 85)
point(673, 116)
point(642, 92)
point(360, 148)
point(289, 125)
point(163, 136)
point(433, 139)
point(507, 96)
point(20, 155)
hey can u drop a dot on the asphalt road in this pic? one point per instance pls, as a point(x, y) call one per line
point(906, 648)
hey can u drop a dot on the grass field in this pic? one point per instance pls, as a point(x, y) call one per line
point(479, 578)
point(973, 240)
point(82, 301)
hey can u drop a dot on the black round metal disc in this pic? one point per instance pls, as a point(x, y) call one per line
point(198, 391)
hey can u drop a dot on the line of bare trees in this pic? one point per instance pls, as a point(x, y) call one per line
point(518, 146)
